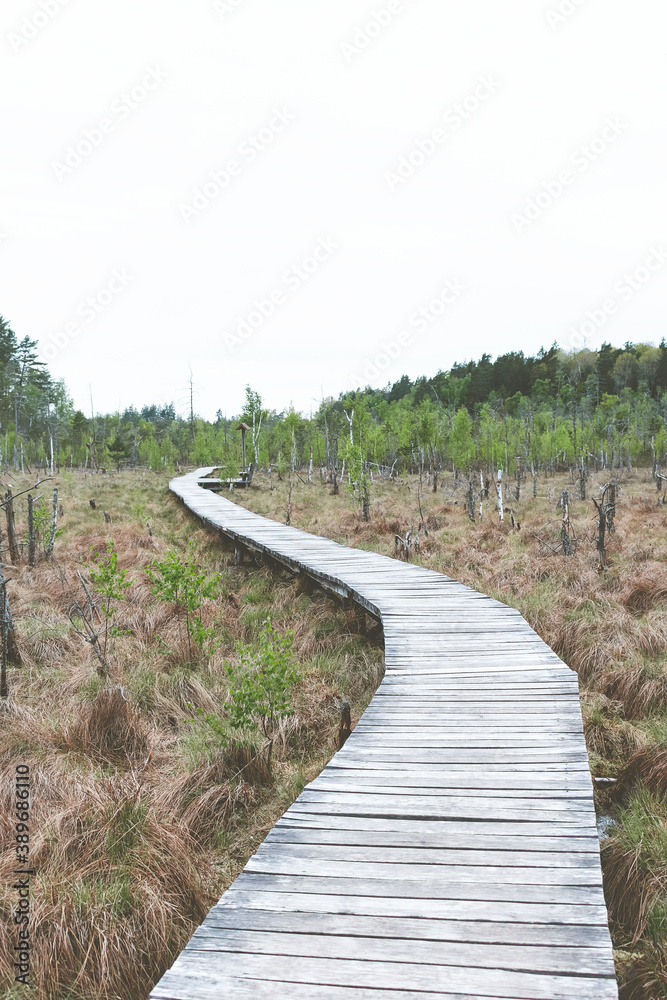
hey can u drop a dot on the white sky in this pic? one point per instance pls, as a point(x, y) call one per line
point(355, 113)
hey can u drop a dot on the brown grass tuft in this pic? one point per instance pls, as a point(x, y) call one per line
point(110, 730)
point(628, 892)
point(648, 766)
point(642, 980)
point(637, 693)
point(644, 595)
point(214, 808)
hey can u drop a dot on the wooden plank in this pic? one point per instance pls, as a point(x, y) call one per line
point(559, 960)
point(539, 914)
point(198, 983)
point(438, 827)
point(519, 857)
point(281, 862)
point(295, 920)
point(499, 982)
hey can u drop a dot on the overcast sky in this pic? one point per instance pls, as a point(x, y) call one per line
point(307, 195)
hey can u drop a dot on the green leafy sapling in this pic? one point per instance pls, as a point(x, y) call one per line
point(110, 582)
point(261, 685)
point(140, 511)
point(181, 583)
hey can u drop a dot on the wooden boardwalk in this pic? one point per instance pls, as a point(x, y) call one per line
point(450, 848)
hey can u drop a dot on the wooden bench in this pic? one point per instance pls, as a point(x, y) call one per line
point(243, 482)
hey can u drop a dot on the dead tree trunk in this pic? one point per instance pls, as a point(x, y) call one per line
point(11, 529)
point(499, 491)
point(365, 500)
point(4, 689)
point(602, 524)
point(31, 532)
point(54, 524)
point(565, 529)
point(9, 652)
point(471, 498)
point(288, 519)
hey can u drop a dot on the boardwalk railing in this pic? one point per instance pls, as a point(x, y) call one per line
point(450, 848)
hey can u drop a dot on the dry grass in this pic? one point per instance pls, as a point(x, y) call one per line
point(141, 816)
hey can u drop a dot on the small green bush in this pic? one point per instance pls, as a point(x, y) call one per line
point(261, 686)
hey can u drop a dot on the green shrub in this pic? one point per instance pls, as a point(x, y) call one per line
point(181, 584)
point(261, 686)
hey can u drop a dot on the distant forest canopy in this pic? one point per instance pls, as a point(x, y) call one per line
point(606, 407)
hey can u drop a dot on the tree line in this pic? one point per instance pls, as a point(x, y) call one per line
point(556, 408)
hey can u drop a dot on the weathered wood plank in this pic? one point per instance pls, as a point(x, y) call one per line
point(498, 982)
point(295, 920)
point(520, 957)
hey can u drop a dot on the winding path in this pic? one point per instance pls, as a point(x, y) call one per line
point(450, 848)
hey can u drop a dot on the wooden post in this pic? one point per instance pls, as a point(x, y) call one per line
point(345, 723)
point(11, 529)
point(243, 428)
point(31, 532)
